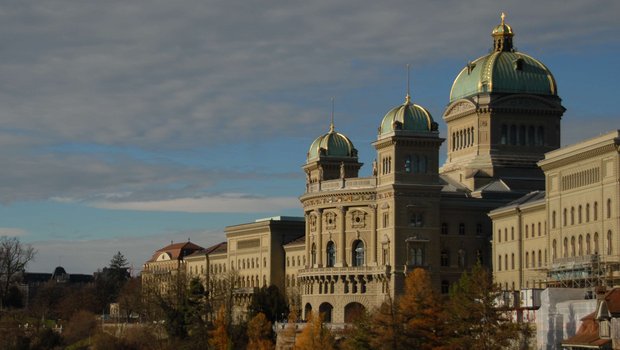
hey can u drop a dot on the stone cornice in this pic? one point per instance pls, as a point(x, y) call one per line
point(571, 156)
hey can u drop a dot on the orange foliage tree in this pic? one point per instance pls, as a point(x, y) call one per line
point(219, 335)
point(315, 335)
point(260, 333)
point(421, 312)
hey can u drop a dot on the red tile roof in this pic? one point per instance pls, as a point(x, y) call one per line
point(176, 251)
point(587, 335)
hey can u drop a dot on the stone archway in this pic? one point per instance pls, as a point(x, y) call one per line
point(353, 311)
point(326, 309)
point(307, 311)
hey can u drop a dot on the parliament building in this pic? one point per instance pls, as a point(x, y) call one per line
point(360, 236)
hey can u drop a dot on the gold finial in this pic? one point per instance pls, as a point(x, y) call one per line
point(503, 17)
point(331, 125)
point(407, 97)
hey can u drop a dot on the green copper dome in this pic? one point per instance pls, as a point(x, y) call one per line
point(332, 144)
point(503, 71)
point(408, 116)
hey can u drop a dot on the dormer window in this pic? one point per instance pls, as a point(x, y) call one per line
point(518, 64)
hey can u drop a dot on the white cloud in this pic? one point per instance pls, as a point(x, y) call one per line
point(12, 231)
point(235, 203)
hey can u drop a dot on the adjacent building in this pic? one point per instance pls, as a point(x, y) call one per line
point(566, 236)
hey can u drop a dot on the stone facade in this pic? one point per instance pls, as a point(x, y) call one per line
point(568, 235)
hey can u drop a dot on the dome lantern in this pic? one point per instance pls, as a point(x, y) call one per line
point(502, 36)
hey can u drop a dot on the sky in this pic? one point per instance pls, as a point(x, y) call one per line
point(125, 125)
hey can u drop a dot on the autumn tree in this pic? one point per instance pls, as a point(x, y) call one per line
point(220, 339)
point(130, 298)
point(358, 335)
point(260, 333)
point(387, 327)
point(421, 312)
point(474, 319)
point(315, 335)
point(14, 257)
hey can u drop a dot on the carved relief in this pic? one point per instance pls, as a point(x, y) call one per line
point(330, 221)
point(358, 219)
point(460, 107)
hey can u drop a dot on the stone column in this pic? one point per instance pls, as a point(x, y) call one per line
point(319, 234)
point(307, 233)
point(341, 224)
point(373, 236)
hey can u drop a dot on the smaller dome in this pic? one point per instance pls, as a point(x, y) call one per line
point(502, 29)
point(408, 116)
point(332, 144)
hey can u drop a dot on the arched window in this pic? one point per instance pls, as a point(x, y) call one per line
point(588, 248)
point(313, 254)
point(609, 208)
point(553, 219)
point(325, 310)
point(504, 139)
point(358, 253)
point(580, 245)
point(564, 218)
point(462, 258)
point(533, 258)
point(588, 212)
point(540, 136)
point(331, 254)
point(595, 211)
point(572, 246)
point(554, 249)
point(527, 260)
point(565, 251)
point(512, 261)
point(579, 214)
point(499, 263)
point(527, 231)
point(539, 229)
point(416, 163)
point(445, 258)
point(572, 215)
point(596, 251)
point(609, 245)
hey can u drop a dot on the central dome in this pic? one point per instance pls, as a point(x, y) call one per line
point(503, 71)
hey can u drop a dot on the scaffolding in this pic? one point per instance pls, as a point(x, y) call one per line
point(587, 271)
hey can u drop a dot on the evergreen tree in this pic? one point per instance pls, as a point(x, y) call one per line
point(475, 321)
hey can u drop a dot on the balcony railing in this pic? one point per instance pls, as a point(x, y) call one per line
point(348, 270)
point(343, 184)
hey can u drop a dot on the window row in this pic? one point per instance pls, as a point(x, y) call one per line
point(461, 258)
point(357, 254)
point(580, 214)
point(463, 139)
point(300, 260)
point(386, 165)
point(252, 263)
point(417, 164)
point(522, 135)
point(581, 178)
point(461, 229)
point(531, 260)
point(577, 246)
point(531, 230)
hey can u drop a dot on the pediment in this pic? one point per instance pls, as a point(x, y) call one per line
point(458, 107)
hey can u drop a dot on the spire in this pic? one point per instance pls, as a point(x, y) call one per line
point(407, 97)
point(331, 124)
point(502, 35)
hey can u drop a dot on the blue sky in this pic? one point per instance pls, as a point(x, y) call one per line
point(127, 124)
